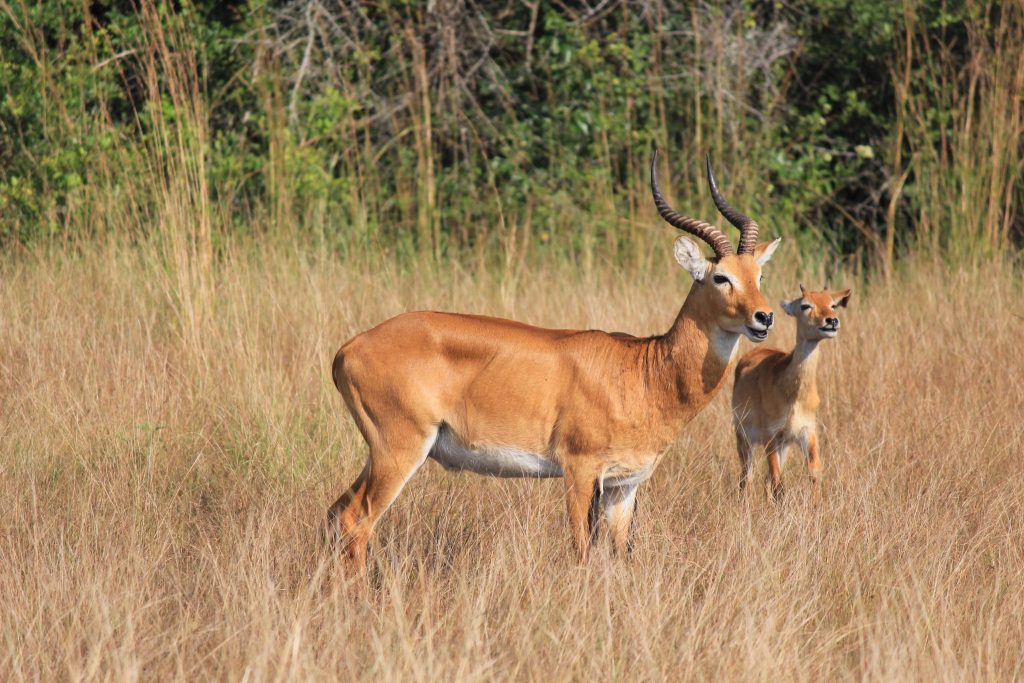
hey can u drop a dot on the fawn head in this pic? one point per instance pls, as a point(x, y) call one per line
point(817, 313)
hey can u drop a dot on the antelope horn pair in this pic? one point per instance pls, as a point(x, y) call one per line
point(705, 231)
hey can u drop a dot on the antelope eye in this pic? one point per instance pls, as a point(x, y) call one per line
point(805, 307)
point(721, 280)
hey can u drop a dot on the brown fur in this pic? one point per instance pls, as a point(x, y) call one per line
point(599, 405)
point(775, 396)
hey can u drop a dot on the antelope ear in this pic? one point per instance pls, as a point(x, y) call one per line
point(841, 298)
point(691, 258)
point(792, 307)
point(763, 252)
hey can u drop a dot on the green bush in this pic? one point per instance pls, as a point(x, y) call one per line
point(454, 127)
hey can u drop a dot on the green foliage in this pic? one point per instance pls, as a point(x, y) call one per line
point(455, 127)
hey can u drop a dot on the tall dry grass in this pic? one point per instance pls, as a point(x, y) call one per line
point(164, 484)
point(962, 126)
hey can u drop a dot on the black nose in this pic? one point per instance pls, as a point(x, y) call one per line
point(832, 322)
point(765, 319)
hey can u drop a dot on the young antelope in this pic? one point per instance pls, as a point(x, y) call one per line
point(775, 397)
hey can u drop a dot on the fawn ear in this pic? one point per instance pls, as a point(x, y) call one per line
point(691, 258)
point(841, 298)
point(792, 307)
point(763, 252)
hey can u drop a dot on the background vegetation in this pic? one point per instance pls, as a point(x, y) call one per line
point(163, 499)
point(200, 202)
point(861, 127)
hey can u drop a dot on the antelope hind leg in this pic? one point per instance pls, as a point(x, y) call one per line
point(354, 514)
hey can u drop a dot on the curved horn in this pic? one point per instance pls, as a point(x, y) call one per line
point(709, 233)
point(748, 228)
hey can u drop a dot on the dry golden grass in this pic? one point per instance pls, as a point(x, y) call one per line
point(168, 456)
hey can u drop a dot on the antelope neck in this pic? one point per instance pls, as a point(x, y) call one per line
point(803, 362)
point(694, 353)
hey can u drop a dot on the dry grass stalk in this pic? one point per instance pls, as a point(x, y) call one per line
point(162, 506)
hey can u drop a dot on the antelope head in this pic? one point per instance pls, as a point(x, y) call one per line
point(728, 286)
point(816, 313)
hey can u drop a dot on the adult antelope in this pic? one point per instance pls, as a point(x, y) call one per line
point(775, 398)
point(505, 399)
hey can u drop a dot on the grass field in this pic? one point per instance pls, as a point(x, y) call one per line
point(169, 446)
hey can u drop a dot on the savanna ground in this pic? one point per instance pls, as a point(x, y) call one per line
point(168, 453)
point(200, 201)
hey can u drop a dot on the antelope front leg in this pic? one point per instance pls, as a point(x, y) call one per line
point(619, 507)
point(584, 502)
point(746, 453)
point(773, 483)
point(814, 467)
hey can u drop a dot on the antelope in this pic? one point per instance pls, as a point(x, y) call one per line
point(775, 396)
point(504, 399)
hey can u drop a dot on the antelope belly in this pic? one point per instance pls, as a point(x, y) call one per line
point(493, 461)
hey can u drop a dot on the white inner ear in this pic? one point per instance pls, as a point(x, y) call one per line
point(766, 255)
point(841, 301)
point(691, 258)
point(791, 307)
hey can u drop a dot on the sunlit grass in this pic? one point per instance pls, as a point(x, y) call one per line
point(164, 490)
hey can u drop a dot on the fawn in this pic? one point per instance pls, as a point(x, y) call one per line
point(775, 396)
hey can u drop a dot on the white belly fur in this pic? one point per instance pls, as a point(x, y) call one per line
point(622, 478)
point(494, 461)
